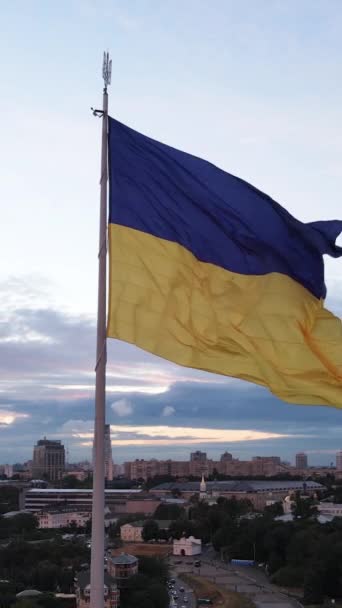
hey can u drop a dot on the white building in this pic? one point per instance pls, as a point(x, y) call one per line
point(6, 469)
point(330, 509)
point(203, 488)
point(187, 546)
point(62, 519)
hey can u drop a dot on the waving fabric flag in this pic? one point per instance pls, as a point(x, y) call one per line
point(209, 272)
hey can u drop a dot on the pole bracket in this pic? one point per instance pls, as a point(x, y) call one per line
point(97, 113)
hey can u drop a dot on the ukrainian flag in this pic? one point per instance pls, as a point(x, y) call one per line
point(209, 272)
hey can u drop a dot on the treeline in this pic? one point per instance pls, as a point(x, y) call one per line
point(148, 587)
point(301, 553)
point(297, 554)
point(45, 565)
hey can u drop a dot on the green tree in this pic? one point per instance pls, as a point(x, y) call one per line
point(153, 567)
point(181, 527)
point(169, 511)
point(9, 499)
point(150, 530)
point(274, 510)
point(303, 507)
point(225, 536)
point(289, 576)
point(314, 585)
point(148, 587)
point(25, 604)
point(45, 576)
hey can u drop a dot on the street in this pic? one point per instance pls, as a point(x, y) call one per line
point(250, 581)
point(186, 598)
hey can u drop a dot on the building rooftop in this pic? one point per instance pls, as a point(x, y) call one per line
point(163, 524)
point(48, 491)
point(72, 509)
point(83, 579)
point(10, 514)
point(240, 485)
point(28, 593)
point(124, 558)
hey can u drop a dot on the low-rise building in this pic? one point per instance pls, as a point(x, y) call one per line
point(63, 518)
point(122, 567)
point(38, 499)
point(111, 592)
point(260, 493)
point(132, 532)
point(79, 475)
point(187, 546)
point(330, 509)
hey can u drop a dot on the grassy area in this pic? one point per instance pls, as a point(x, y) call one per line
point(220, 597)
point(146, 549)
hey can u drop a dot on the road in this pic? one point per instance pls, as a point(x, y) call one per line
point(188, 593)
point(247, 580)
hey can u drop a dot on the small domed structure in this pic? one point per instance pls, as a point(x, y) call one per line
point(28, 593)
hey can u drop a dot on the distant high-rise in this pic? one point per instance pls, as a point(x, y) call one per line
point(226, 457)
point(198, 456)
point(198, 463)
point(301, 461)
point(48, 459)
point(339, 461)
point(108, 457)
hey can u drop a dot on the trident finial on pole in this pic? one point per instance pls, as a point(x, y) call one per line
point(106, 70)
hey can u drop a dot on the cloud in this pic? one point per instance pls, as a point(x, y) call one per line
point(77, 428)
point(122, 408)
point(48, 353)
point(47, 388)
point(8, 417)
point(168, 410)
point(165, 435)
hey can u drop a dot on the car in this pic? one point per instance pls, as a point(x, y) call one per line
point(181, 589)
point(172, 580)
point(179, 561)
point(185, 600)
point(197, 563)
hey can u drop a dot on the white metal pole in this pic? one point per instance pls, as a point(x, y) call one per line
point(97, 536)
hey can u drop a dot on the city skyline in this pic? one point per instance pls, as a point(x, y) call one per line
point(300, 459)
point(237, 87)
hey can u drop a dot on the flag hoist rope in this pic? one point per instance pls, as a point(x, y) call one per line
point(97, 535)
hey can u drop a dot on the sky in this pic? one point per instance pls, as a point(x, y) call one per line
point(254, 87)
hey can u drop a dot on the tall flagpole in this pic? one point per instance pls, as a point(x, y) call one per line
point(97, 536)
